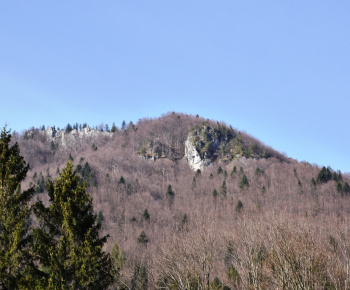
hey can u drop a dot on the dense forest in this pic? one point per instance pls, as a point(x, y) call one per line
point(248, 217)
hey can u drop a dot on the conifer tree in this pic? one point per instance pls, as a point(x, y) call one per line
point(15, 262)
point(67, 245)
point(114, 128)
point(170, 195)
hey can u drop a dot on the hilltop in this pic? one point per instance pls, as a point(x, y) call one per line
point(167, 186)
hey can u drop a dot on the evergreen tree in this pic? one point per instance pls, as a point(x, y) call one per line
point(121, 180)
point(324, 175)
point(239, 206)
point(140, 278)
point(234, 171)
point(16, 267)
point(118, 260)
point(346, 188)
point(223, 189)
point(67, 243)
point(142, 239)
point(244, 182)
point(114, 128)
point(69, 128)
point(146, 215)
point(219, 171)
point(170, 195)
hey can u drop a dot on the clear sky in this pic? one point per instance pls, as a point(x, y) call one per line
point(279, 70)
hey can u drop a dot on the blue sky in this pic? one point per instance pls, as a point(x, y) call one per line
point(278, 70)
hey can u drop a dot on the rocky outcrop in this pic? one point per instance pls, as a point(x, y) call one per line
point(75, 136)
point(193, 157)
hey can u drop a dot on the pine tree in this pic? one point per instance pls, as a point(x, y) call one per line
point(16, 267)
point(244, 182)
point(67, 245)
point(114, 128)
point(223, 189)
point(118, 260)
point(170, 195)
point(146, 215)
point(140, 278)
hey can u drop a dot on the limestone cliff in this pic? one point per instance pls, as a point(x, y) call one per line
point(66, 139)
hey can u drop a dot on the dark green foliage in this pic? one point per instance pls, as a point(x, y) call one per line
point(69, 128)
point(337, 176)
point(233, 275)
point(68, 245)
point(114, 128)
point(263, 189)
point(239, 206)
point(94, 147)
point(219, 171)
point(53, 147)
point(198, 172)
point(88, 174)
point(313, 182)
point(225, 173)
point(216, 284)
point(184, 219)
point(300, 187)
point(211, 176)
point(146, 215)
point(346, 188)
point(118, 260)
point(229, 253)
point(121, 180)
point(142, 239)
point(215, 193)
point(16, 266)
point(259, 171)
point(324, 175)
point(170, 195)
point(100, 218)
point(239, 147)
point(123, 125)
point(244, 182)
point(223, 189)
point(107, 128)
point(40, 184)
point(234, 171)
point(339, 187)
point(140, 278)
point(70, 157)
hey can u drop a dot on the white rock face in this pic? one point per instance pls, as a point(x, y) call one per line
point(193, 157)
point(75, 136)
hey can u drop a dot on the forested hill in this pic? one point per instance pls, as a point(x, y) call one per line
point(191, 201)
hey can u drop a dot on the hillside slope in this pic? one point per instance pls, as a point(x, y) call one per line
point(165, 187)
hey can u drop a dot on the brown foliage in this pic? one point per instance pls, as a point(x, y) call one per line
point(289, 233)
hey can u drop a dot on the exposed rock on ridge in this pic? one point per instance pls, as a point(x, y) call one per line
point(195, 161)
point(75, 136)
